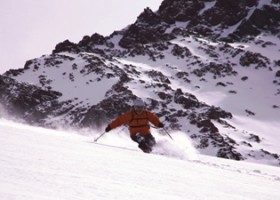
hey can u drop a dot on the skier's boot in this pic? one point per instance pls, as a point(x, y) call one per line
point(145, 147)
point(145, 143)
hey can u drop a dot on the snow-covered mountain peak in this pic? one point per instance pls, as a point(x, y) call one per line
point(199, 75)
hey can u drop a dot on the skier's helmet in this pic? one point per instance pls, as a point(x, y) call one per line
point(139, 105)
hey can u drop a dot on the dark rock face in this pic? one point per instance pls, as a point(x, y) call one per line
point(250, 58)
point(26, 101)
point(95, 39)
point(66, 46)
point(179, 10)
point(217, 70)
point(266, 19)
point(277, 73)
point(224, 13)
point(149, 27)
point(149, 17)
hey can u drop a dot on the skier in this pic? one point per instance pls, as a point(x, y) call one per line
point(138, 119)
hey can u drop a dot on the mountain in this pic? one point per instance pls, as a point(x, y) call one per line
point(39, 164)
point(208, 68)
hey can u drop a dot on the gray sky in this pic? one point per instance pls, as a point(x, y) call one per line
point(32, 28)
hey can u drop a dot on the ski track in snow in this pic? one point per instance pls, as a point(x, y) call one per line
point(39, 164)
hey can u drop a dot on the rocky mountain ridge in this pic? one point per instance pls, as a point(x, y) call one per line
point(178, 59)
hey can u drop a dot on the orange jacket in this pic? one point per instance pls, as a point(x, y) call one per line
point(138, 123)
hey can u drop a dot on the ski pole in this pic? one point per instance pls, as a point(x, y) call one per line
point(95, 140)
point(167, 133)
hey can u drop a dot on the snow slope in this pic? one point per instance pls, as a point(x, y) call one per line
point(38, 164)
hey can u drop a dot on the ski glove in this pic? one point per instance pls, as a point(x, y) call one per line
point(160, 125)
point(108, 128)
